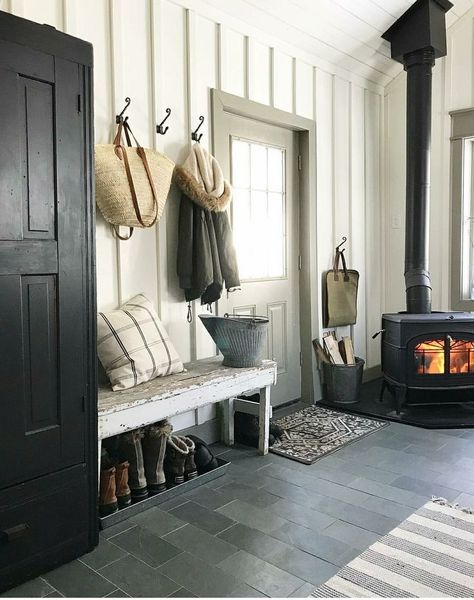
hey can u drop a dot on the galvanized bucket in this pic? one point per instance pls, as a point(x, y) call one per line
point(343, 382)
point(240, 338)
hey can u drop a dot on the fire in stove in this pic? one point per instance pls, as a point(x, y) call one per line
point(433, 356)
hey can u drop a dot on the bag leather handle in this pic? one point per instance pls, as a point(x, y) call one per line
point(121, 153)
point(340, 255)
point(344, 266)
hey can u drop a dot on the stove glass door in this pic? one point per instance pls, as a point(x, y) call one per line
point(444, 355)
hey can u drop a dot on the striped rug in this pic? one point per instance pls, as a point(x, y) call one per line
point(430, 555)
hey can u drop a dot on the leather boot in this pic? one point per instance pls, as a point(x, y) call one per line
point(154, 448)
point(190, 469)
point(175, 460)
point(124, 496)
point(130, 450)
point(107, 498)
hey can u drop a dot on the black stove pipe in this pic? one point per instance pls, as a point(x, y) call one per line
point(418, 66)
point(416, 39)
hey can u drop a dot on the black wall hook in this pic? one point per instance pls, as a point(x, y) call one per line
point(344, 240)
point(194, 134)
point(119, 117)
point(159, 128)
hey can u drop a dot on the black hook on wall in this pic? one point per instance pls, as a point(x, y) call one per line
point(194, 134)
point(344, 240)
point(119, 117)
point(159, 128)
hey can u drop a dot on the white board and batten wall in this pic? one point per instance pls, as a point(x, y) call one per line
point(165, 53)
point(453, 89)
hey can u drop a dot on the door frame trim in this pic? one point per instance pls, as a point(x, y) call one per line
point(222, 103)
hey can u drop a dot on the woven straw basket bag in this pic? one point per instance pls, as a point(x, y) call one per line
point(132, 183)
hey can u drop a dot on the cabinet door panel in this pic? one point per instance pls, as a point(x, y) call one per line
point(38, 160)
point(42, 296)
point(40, 350)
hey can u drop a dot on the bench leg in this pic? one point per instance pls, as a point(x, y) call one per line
point(228, 422)
point(264, 420)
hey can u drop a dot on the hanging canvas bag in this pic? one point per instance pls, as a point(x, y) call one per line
point(132, 183)
point(341, 293)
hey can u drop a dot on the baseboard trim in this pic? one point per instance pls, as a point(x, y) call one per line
point(372, 373)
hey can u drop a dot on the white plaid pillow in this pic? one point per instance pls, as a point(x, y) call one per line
point(133, 346)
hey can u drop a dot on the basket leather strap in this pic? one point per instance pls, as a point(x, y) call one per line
point(116, 230)
point(121, 152)
point(126, 131)
point(141, 153)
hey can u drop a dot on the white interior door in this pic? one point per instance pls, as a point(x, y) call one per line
point(261, 162)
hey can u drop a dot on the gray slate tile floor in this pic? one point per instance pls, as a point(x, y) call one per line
point(270, 526)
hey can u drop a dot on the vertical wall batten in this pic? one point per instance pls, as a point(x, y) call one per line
point(373, 261)
point(358, 212)
point(189, 46)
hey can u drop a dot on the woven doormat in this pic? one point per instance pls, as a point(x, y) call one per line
point(315, 431)
point(430, 555)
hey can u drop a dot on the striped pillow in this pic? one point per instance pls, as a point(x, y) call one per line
point(133, 346)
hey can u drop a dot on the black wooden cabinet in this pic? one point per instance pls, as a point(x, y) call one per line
point(48, 399)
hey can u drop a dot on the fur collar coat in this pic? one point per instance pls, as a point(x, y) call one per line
point(206, 255)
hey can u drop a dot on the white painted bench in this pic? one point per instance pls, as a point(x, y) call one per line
point(204, 382)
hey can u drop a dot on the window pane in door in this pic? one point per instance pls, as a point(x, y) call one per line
point(241, 164)
point(258, 166)
point(275, 169)
point(258, 209)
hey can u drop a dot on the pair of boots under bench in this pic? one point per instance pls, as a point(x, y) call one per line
point(157, 459)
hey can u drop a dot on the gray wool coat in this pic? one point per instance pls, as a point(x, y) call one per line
point(206, 261)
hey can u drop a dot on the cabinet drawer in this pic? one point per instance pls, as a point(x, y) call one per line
point(38, 516)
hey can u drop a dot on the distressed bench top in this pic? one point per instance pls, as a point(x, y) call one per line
point(199, 376)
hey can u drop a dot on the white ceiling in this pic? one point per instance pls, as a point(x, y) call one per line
point(343, 32)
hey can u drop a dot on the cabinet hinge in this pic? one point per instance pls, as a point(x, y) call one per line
point(299, 162)
point(301, 359)
point(300, 262)
point(79, 102)
point(83, 404)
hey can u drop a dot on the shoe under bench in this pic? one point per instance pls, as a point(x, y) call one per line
point(202, 383)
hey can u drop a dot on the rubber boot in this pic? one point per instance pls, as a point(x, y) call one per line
point(154, 449)
point(190, 469)
point(175, 460)
point(124, 496)
point(130, 450)
point(107, 498)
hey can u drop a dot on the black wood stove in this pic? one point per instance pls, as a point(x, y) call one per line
point(422, 350)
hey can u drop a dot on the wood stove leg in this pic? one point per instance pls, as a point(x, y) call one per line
point(399, 395)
